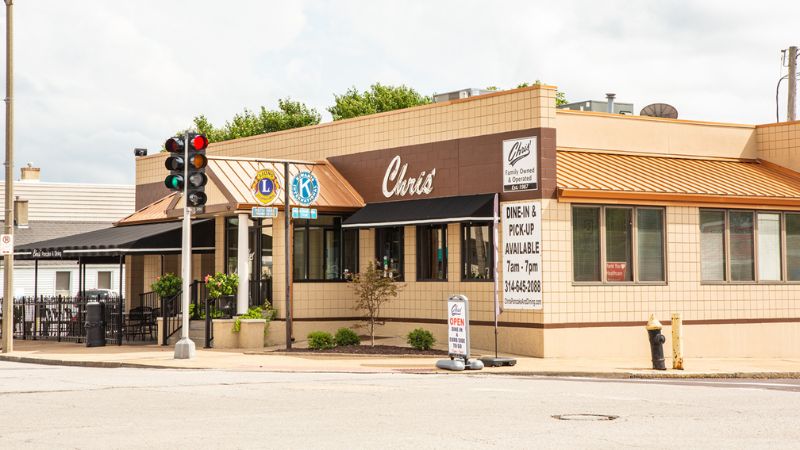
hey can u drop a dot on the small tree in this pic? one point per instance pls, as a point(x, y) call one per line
point(373, 289)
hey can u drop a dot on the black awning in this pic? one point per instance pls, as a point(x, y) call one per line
point(137, 239)
point(430, 210)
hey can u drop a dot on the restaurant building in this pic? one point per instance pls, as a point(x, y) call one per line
point(604, 219)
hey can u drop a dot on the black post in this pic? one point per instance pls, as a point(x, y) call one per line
point(60, 307)
point(80, 273)
point(208, 325)
point(121, 303)
point(163, 321)
point(24, 325)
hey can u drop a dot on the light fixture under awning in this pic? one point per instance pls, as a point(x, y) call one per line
point(417, 212)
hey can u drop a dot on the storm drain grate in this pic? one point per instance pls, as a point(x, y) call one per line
point(585, 417)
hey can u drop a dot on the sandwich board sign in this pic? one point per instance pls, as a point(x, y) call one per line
point(458, 327)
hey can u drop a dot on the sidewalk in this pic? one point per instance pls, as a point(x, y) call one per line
point(154, 356)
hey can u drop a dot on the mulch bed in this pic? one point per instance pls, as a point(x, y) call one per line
point(369, 350)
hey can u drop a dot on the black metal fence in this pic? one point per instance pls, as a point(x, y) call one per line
point(63, 319)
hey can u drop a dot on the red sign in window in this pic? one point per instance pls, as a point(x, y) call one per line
point(615, 271)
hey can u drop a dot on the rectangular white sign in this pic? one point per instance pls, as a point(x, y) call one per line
point(6, 244)
point(264, 212)
point(522, 258)
point(520, 165)
point(458, 326)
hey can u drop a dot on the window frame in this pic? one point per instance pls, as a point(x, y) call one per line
point(110, 279)
point(634, 246)
point(756, 275)
point(432, 226)
point(337, 228)
point(69, 282)
point(402, 257)
point(464, 251)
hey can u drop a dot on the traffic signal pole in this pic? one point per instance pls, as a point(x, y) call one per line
point(8, 260)
point(185, 348)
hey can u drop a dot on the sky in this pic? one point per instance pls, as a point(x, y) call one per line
point(95, 79)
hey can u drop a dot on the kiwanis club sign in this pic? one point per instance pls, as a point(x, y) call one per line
point(522, 255)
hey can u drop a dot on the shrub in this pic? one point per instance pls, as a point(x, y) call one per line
point(221, 284)
point(421, 339)
point(167, 285)
point(320, 340)
point(346, 336)
point(255, 312)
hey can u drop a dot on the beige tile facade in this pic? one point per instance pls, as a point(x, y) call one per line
point(780, 144)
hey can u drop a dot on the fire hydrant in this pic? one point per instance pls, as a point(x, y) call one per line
point(656, 343)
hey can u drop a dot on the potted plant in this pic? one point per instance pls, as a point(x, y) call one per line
point(167, 286)
point(223, 287)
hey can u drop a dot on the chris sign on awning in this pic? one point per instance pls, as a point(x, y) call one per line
point(520, 165)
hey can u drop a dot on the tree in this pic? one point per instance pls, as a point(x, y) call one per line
point(377, 99)
point(373, 288)
point(290, 114)
point(561, 98)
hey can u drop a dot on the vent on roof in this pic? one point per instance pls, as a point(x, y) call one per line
point(457, 95)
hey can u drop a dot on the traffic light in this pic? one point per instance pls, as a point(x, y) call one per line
point(174, 163)
point(192, 176)
point(196, 177)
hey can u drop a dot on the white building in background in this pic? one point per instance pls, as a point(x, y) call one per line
point(44, 210)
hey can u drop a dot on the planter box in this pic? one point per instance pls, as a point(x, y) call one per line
point(224, 337)
point(251, 334)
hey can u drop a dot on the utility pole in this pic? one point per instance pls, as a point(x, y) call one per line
point(8, 260)
point(791, 113)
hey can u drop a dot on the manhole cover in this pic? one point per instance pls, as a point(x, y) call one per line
point(585, 417)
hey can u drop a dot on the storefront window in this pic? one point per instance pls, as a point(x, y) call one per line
point(712, 245)
point(432, 252)
point(650, 244)
point(619, 245)
point(389, 250)
point(769, 247)
point(232, 244)
point(793, 247)
point(586, 243)
point(319, 252)
point(741, 245)
point(476, 252)
point(619, 229)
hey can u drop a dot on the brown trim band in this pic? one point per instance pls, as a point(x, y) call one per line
point(540, 326)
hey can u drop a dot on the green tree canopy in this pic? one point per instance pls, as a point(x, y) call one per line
point(290, 114)
point(378, 98)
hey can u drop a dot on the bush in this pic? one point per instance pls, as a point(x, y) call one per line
point(255, 312)
point(320, 340)
point(346, 336)
point(167, 285)
point(421, 339)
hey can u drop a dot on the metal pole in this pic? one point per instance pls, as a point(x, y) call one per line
point(185, 349)
point(495, 222)
point(121, 305)
point(8, 260)
point(287, 260)
point(791, 114)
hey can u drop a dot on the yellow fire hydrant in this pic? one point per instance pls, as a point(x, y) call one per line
point(656, 342)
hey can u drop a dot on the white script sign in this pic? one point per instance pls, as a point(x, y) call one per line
point(458, 326)
point(520, 165)
point(396, 173)
point(522, 257)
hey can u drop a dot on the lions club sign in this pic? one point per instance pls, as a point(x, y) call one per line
point(265, 186)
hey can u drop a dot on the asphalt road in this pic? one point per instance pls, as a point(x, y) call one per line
point(71, 407)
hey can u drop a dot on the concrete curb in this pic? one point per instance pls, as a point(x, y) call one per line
point(487, 371)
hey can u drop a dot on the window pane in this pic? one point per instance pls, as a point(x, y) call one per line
point(477, 252)
point(793, 247)
point(712, 245)
point(315, 253)
point(618, 244)
point(650, 240)
point(63, 283)
point(349, 252)
point(431, 252)
point(332, 249)
point(232, 235)
point(586, 244)
point(266, 252)
point(103, 280)
point(299, 250)
point(769, 246)
point(389, 249)
point(741, 241)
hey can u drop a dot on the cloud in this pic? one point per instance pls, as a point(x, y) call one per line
point(94, 79)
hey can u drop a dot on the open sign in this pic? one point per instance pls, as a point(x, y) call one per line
point(458, 327)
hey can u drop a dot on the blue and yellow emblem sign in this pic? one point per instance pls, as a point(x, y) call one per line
point(305, 188)
point(265, 186)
